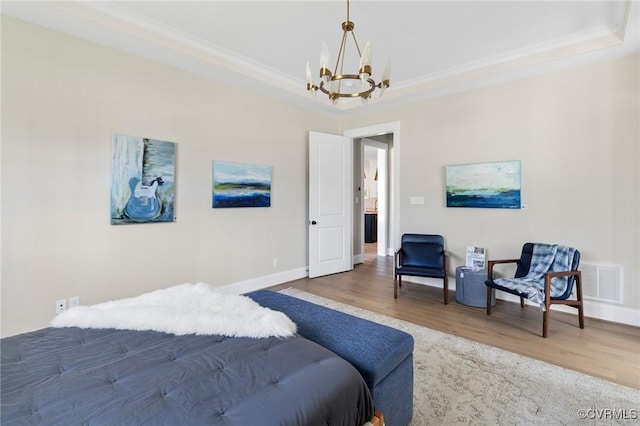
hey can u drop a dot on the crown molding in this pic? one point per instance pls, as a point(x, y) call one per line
point(104, 22)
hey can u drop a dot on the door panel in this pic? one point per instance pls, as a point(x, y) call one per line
point(329, 204)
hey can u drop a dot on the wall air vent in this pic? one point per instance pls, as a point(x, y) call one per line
point(603, 282)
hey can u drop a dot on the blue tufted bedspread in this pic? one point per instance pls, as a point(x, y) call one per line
point(66, 376)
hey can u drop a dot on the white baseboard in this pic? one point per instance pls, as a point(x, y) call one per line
point(592, 308)
point(265, 281)
point(431, 282)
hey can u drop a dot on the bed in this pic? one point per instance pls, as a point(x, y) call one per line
point(107, 376)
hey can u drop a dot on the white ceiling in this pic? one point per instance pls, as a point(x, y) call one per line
point(435, 47)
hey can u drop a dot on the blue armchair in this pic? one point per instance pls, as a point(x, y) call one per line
point(421, 255)
point(545, 274)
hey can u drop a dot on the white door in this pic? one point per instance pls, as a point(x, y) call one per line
point(330, 183)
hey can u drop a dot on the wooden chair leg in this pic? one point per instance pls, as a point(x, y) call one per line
point(446, 290)
point(580, 315)
point(547, 306)
point(488, 300)
point(579, 297)
point(395, 287)
point(545, 321)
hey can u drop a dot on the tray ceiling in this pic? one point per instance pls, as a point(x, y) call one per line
point(435, 47)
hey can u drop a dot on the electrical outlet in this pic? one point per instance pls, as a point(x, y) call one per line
point(275, 262)
point(74, 301)
point(61, 306)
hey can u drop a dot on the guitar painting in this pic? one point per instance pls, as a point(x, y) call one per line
point(143, 202)
point(142, 180)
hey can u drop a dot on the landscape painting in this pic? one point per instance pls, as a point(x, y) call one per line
point(142, 180)
point(241, 185)
point(484, 185)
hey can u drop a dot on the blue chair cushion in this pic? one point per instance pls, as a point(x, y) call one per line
point(422, 255)
point(419, 271)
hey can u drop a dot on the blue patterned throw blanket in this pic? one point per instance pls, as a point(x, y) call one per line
point(545, 258)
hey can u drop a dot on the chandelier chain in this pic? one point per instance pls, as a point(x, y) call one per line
point(348, 11)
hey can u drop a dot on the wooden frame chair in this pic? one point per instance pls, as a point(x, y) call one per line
point(574, 276)
point(421, 255)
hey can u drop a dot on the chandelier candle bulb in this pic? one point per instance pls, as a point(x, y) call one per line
point(324, 55)
point(309, 77)
point(387, 72)
point(385, 77)
point(366, 56)
point(310, 86)
point(365, 64)
point(325, 74)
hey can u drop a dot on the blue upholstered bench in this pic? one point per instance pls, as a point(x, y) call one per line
point(382, 355)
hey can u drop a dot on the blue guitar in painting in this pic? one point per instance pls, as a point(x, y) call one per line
point(143, 203)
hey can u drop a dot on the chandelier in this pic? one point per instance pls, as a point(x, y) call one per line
point(340, 85)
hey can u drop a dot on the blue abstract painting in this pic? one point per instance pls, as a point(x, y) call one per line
point(485, 185)
point(142, 180)
point(240, 185)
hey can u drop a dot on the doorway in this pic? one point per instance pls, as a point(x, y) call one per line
point(374, 194)
point(385, 137)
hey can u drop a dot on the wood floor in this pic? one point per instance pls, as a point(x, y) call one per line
point(603, 349)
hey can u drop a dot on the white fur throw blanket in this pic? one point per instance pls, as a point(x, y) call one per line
point(183, 309)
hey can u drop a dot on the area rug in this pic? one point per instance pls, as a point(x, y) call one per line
point(458, 381)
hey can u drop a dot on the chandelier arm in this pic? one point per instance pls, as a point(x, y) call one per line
point(340, 59)
point(353, 34)
point(340, 62)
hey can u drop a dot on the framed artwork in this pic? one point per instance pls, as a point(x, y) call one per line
point(142, 180)
point(240, 185)
point(485, 185)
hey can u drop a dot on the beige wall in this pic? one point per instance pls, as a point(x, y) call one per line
point(576, 132)
point(62, 99)
point(577, 135)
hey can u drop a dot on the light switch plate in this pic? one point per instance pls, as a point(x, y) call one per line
point(416, 200)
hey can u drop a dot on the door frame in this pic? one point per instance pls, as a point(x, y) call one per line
point(394, 176)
